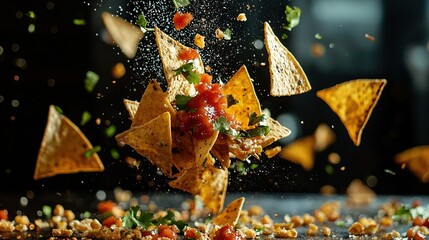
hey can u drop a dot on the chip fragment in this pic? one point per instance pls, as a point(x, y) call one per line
point(300, 152)
point(230, 214)
point(126, 35)
point(353, 101)
point(64, 149)
point(417, 161)
point(286, 74)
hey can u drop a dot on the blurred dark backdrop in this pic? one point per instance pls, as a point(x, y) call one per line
point(45, 54)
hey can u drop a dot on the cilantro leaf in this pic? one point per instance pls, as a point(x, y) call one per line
point(182, 101)
point(180, 3)
point(142, 22)
point(255, 132)
point(59, 110)
point(31, 14)
point(222, 125)
point(115, 153)
point(255, 119)
point(92, 151)
point(231, 100)
point(137, 218)
point(91, 81)
point(188, 73)
point(110, 131)
point(227, 34)
point(292, 17)
point(79, 22)
point(86, 116)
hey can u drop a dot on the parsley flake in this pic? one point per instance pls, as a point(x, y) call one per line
point(79, 22)
point(89, 153)
point(180, 3)
point(110, 131)
point(227, 34)
point(187, 72)
point(222, 125)
point(91, 81)
point(231, 100)
point(292, 17)
point(86, 116)
point(142, 22)
point(182, 101)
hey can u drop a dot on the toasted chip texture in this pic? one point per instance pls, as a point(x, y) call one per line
point(353, 101)
point(213, 190)
point(286, 74)
point(240, 87)
point(131, 107)
point(417, 161)
point(230, 214)
point(169, 49)
point(126, 35)
point(202, 147)
point(152, 140)
point(189, 180)
point(152, 104)
point(63, 149)
point(300, 151)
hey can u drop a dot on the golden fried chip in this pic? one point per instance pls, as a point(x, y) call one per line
point(169, 49)
point(189, 180)
point(240, 87)
point(359, 194)
point(286, 75)
point(277, 131)
point(417, 161)
point(131, 107)
point(126, 35)
point(353, 101)
point(213, 189)
point(153, 103)
point(64, 149)
point(272, 151)
point(221, 151)
point(202, 147)
point(300, 152)
point(183, 150)
point(152, 140)
point(324, 137)
point(230, 214)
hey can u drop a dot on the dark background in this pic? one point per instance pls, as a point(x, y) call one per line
point(48, 66)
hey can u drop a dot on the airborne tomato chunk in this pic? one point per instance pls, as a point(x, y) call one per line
point(181, 20)
point(4, 214)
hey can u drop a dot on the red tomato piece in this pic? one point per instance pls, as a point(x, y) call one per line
point(188, 54)
point(105, 206)
point(227, 232)
point(191, 233)
point(181, 20)
point(4, 214)
point(109, 221)
point(168, 231)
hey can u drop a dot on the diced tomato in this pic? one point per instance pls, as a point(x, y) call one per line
point(227, 232)
point(188, 54)
point(205, 78)
point(109, 221)
point(4, 214)
point(181, 20)
point(168, 231)
point(105, 206)
point(426, 222)
point(418, 221)
point(191, 233)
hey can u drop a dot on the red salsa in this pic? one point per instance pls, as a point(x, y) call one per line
point(227, 232)
point(188, 54)
point(203, 109)
point(181, 20)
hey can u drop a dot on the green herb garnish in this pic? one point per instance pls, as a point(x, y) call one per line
point(47, 211)
point(231, 100)
point(180, 3)
point(91, 81)
point(86, 116)
point(222, 125)
point(79, 22)
point(255, 132)
point(255, 119)
point(138, 218)
point(182, 101)
point(31, 14)
point(142, 22)
point(227, 34)
point(89, 153)
point(110, 131)
point(188, 73)
point(114, 153)
point(292, 17)
point(59, 110)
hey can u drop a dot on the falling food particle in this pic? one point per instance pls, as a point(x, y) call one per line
point(199, 41)
point(241, 17)
point(118, 70)
point(263, 64)
point(318, 36)
point(317, 50)
point(343, 168)
point(328, 190)
point(334, 158)
point(369, 37)
point(389, 172)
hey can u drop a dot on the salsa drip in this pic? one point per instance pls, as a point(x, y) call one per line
point(204, 109)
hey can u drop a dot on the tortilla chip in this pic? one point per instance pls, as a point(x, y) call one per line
point(213, 190)
point(152, 140)
point(183, 150)
point(324, 137)
point(221, 151)
point(63, 149)
point(202, 147)
point(300, 152)
point(123, 33)
point(240, 87)
point(169, 49)
point(417, 161)
point(286, 75)
point(277, 132)
point(272, 151)
point(152, 104)
point(189, 180)
point(353, 102)
point(359, 194)
point(131, 107)
point(230, 214)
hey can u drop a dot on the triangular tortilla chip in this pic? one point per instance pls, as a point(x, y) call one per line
point(353, 102)
point(152, 104)
point(183, 150)
point(230, 214)
point(213, 190)
point(63, 149)
point(286, 75)
point(189, 180)
point(417, 160)
point(123, 33)
point(202, 147)
point(131, 107)
point(240, 87)
point(152, 140)
point(300, 152)
point(277, 132)
point(169, 49)
point(221, 151)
